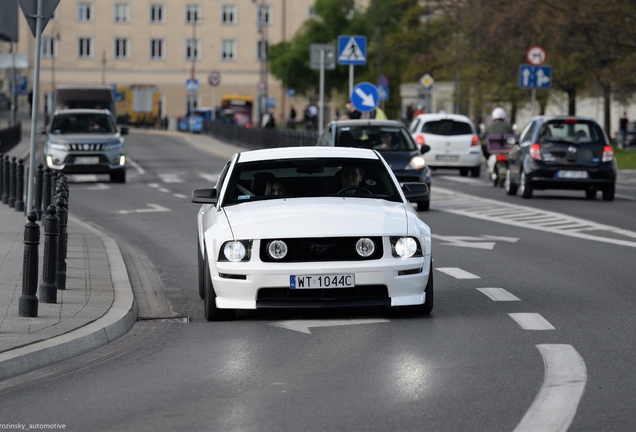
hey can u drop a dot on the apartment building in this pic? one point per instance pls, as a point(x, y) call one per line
point(165, 43)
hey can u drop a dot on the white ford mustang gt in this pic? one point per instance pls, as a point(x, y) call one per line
point(311, 227)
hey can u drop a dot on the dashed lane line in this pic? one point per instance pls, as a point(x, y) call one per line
point(498, 294)
point(531, 321)
point(457, 273)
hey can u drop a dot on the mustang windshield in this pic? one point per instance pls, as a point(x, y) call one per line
point(310, 178)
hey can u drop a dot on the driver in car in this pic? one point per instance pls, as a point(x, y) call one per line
point(351, 178)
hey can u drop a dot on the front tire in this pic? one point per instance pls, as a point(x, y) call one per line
point(210, 311)
point(201, 272)
point(118, 176)
point(608, 193)
point(427, 307)
point(475, 171)
point(423, 205)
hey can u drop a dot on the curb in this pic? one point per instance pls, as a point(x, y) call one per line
point(115, 323)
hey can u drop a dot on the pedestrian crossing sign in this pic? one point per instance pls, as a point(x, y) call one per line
point(352, 50)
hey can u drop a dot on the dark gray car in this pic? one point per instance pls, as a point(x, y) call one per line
point(392, 140)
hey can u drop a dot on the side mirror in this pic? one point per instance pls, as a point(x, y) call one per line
point(123, 131)
point(204, 196)
point(425, 148)
point(414, 191)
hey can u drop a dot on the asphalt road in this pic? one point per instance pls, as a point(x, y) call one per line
point(476, 364)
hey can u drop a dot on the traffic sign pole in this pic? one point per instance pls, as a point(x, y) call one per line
point(322, 90)
point(350, 80)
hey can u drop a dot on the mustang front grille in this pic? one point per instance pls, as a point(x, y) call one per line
point(322, 249)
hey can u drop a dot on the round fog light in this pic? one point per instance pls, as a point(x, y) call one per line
point(277, 249)
point(234, 251)
point(365, 247)
point(406, 247)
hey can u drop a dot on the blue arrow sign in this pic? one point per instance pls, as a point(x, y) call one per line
point(352, 50)
point(365, 97)
point(537, 77)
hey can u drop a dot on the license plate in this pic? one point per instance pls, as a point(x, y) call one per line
point(572, 174)
point(322, 281)
point(447, 158)
point(87, 160)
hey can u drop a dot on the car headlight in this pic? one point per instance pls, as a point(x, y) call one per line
point(405, 247)
point(417, 162)
point(54, 145)
point(236, 250)
point(277, 249)
point(112, 146)
point(365, 247)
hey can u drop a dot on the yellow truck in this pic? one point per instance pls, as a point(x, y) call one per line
point(138, 105)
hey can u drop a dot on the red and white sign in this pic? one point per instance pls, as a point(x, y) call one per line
point(536, 56)
point(214, 78)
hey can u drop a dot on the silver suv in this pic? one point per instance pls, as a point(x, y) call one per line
point(85, 141)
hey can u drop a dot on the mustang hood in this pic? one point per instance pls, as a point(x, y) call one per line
point(322, 217)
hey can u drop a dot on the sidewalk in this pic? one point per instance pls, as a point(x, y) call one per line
point(97, 306)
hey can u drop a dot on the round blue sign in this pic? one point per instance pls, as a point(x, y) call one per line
point(365, 97)
point(291, 92)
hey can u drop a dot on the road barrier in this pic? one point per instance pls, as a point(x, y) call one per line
point(28, 302)
point(257, 138)
point(48, 288)
point(5, 180)
point(37, 189)
point(19, 194)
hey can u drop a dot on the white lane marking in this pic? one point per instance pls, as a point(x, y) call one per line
point(457, 273)
point(563, 385)
point(531, 321)
point(178, 195)
point(153, 209)
point(83, 178)
point(473, 181)
point(170, 178)
point(498, 294)
point(99, 186)
point(481, 208)
point(136, 166)
point(212, 178)
point(469, 242)
point(164, 190)
point(153, 185)
point(625, 197)
point(304, 325)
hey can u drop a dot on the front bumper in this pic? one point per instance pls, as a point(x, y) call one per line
point(237, 285)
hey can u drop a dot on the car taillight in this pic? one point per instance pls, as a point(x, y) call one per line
point(248, 125)
point(420, 140)
point(608, 154)
point(535, 152)
point(475, 141)
point(570, 121)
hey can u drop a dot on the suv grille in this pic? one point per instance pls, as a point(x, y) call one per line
point(322, 249)
point(87, 146)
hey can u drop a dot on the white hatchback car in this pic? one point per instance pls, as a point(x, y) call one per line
point(452, 139)
point(311, 227)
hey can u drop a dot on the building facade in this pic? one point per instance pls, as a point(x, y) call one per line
point(165, 43)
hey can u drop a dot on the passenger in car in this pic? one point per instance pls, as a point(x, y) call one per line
point(385, 141)
point(275, 187)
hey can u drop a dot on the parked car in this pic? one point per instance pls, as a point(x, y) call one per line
point(630, 138)
point(85, 141)
point(452, 139)
point(562, 153)
point(400, 151)
point(286, 228)
point(195, 121)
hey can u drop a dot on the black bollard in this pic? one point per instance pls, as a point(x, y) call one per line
point(19, 191)
point(48, 289)
point(5, 180)
point(37, 196)
point(28, 302)
point(1, 171)
point(60, 273)
point(12, 174)
point(46, 188)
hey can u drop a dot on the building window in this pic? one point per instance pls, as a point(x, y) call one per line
point(84, 47)
point(122, 12)
point(264, 15)
point(121, 48)
point(262, 47)
point(193, 49)
point(156, 13)
point(84, 12)
point(228, 49)
point(193, 14)
point(156, 49)
point(228, 14)
point(311, 13)
point(49, 47)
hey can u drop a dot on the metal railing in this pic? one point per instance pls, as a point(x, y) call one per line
point(258, 138)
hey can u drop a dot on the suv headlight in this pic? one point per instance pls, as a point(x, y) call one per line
point(113, 146)
point(56, 145)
